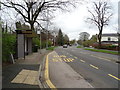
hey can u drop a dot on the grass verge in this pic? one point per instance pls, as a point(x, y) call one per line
point(104, 51)
point(79, 46)
point(51, 48)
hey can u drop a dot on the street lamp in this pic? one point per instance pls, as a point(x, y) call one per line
point(47, 30)
point(40, 42)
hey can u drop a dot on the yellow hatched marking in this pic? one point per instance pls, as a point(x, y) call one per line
point(94, 66)
point(65, 59)
point(113, 76)
point(82, 61)
point(68, 60)
point(75, 57)
point(71, 60)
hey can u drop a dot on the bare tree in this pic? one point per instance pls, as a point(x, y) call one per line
point(31, 9)
point(84, 36)
point(100, 16)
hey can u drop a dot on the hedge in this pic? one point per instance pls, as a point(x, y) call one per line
point(8, 46)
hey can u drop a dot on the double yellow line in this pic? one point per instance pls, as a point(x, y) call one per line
point(49, 83)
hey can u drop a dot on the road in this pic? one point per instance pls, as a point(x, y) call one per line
point(99, 69)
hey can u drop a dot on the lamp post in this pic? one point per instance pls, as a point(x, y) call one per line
point(40, 42)
point(47, 30)
point(40, 37)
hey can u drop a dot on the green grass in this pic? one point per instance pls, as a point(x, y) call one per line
point(51, 48)
point(79, 46)
point(104, 51)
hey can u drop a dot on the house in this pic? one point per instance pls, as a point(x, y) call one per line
point(110, 38)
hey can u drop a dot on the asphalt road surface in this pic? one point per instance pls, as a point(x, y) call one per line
point(99, 69)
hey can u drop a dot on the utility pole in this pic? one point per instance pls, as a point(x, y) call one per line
point(47, 30)
point(40, 41)
point(0, 51)
point(40, 37)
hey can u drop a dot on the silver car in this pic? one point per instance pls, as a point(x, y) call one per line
point(65, 46)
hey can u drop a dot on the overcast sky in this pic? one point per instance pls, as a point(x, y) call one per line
point(73, 23)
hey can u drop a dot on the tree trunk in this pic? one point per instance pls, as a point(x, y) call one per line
point(99, 39)
point(32, 26)
point(100, 36)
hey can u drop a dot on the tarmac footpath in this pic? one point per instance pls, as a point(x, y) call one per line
point(59, 74)
point(24, 73)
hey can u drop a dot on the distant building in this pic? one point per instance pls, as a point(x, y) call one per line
point(110, 38)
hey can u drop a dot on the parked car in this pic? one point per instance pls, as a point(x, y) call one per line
point(65, 46)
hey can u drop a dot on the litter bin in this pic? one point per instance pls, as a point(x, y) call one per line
point(36, 48)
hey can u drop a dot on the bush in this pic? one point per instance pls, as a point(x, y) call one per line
point(44, 44)
point(106, 46)
point(79, 46)
point(36, 44)
point(8, 46)
point(51, 48)
point(86, 43)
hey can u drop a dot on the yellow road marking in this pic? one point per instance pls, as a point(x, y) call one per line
point(71, 60)
point(68, 60)
point(56, 56)
point(75, 57)
point(82, 61)
point(55, 60)
point(94, 66)
point(65, 59)
point(62, 56)
point(47, 74)
point(113, 76)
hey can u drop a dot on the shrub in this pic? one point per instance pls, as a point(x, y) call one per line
point(8, 46)
point(105, 46)
point(36, 41)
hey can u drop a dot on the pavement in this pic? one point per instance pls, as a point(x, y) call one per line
point(24, 73)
